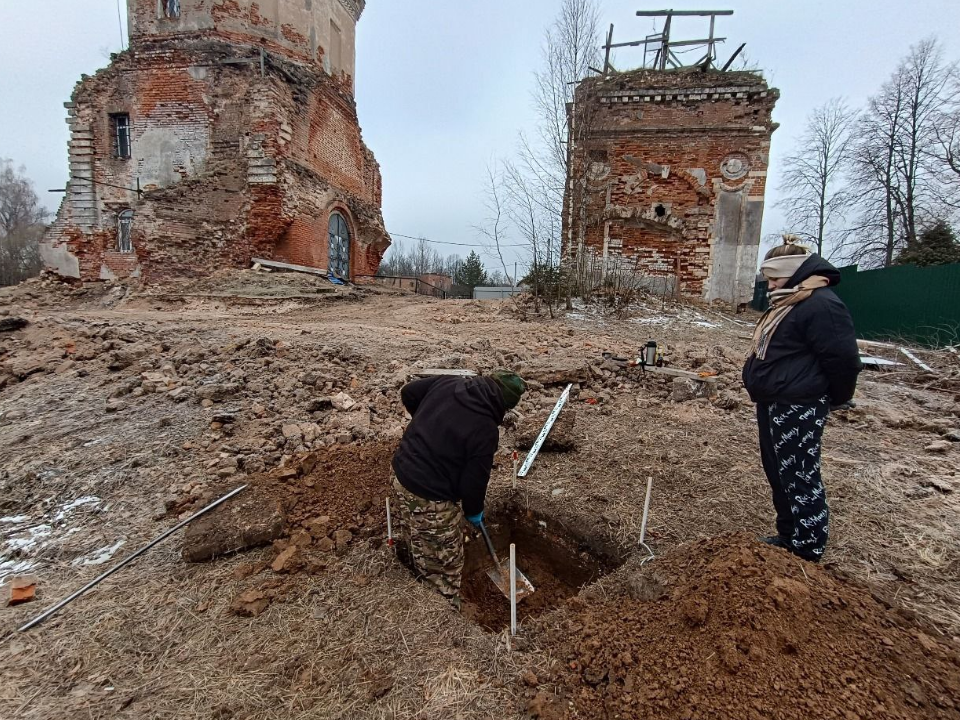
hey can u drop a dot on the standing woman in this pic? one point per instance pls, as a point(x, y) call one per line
point(804, 360)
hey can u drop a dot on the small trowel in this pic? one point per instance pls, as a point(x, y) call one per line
point(500, 577)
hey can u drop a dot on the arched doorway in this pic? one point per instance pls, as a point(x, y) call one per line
point(339, 262)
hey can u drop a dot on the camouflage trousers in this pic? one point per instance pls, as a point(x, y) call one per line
point(429, 534)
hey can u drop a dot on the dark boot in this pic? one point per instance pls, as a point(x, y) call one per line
point(776, 541)
point(809, 557)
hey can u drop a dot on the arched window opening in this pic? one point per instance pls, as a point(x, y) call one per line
point(339, 262)
point(124, 229)
point(170, 8)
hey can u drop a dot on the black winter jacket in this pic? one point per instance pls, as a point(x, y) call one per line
point(447, 450)
point(813, 351)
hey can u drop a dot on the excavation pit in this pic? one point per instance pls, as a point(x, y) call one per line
point(556, 563)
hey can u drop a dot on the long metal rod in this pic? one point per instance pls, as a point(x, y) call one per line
point(43, 616)
point(532, 455)
point(513, 589)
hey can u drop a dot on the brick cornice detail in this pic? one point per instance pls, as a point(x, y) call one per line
point(354, 7)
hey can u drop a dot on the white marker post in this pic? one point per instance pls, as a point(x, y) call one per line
point(389, 526)
point(646, 511)
point(513, 589)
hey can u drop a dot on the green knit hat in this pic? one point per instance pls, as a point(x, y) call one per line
point(511, 385)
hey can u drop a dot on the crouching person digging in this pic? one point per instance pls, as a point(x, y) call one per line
point(442, 467)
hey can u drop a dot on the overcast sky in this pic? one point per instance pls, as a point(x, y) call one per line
point(444, 85)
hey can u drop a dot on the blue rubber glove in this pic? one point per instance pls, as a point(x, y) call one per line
point(475, 520)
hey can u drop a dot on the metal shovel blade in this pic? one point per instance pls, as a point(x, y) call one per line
point(502, 581)
point(500, 578)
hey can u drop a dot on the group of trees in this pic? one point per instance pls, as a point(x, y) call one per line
point(22, 222)
point(421, 259)
point(525, 191)
point(877, 185)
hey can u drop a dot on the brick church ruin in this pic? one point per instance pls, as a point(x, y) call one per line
point(227, 131)
point(668, 175)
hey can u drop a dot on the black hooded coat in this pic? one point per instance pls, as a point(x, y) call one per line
point(814, 349)
point(447, 450)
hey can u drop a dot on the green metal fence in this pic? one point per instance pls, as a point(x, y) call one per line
point(921, 304)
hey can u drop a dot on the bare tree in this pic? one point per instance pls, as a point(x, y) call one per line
point(529, 211)
point(926, 79)
point(571, 46)
point(894, 158)
point(815, 197)
point(947, 149)
point(494, 224)
point(22, 221)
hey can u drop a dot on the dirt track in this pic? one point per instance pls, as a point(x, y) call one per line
point(122, 411)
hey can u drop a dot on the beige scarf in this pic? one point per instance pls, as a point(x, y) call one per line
point(781, 303)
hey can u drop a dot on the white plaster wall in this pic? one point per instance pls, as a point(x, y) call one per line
point(59, 259)
point(166, 152)
point(311, 18)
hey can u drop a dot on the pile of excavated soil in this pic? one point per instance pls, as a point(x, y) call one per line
point(731, 628)
point(348, 484)
point(332, 498)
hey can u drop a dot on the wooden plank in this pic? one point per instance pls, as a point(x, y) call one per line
point(675, 372)
point(682, 13)
point(733, 57)
point(288, 266)
point(916, 360)
point(456, 372)
point(606, 57)
point(704, 41)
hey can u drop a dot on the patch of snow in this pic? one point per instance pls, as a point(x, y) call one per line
point(32, 536)
point(657, 320)
point(69, 507)
point(705, 323)
point(91, 443)
point(101, 556)
point(15, 519)
point(15, 567)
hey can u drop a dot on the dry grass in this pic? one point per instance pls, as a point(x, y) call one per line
point(363, 640)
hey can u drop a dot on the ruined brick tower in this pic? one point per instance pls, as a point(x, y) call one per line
point(668, 167)
point(227, 131)
point(673, 167)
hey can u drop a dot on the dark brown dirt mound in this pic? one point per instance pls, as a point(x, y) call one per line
point(562, 435)
point(731, 628)
point(348, 484)
point(329, 500)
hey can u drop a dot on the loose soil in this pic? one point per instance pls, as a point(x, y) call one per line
point(732, 628)
point(328, 500)
point(122, 410)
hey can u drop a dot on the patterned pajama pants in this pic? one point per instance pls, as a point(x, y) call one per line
point(429, 537)
point(790, 450)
